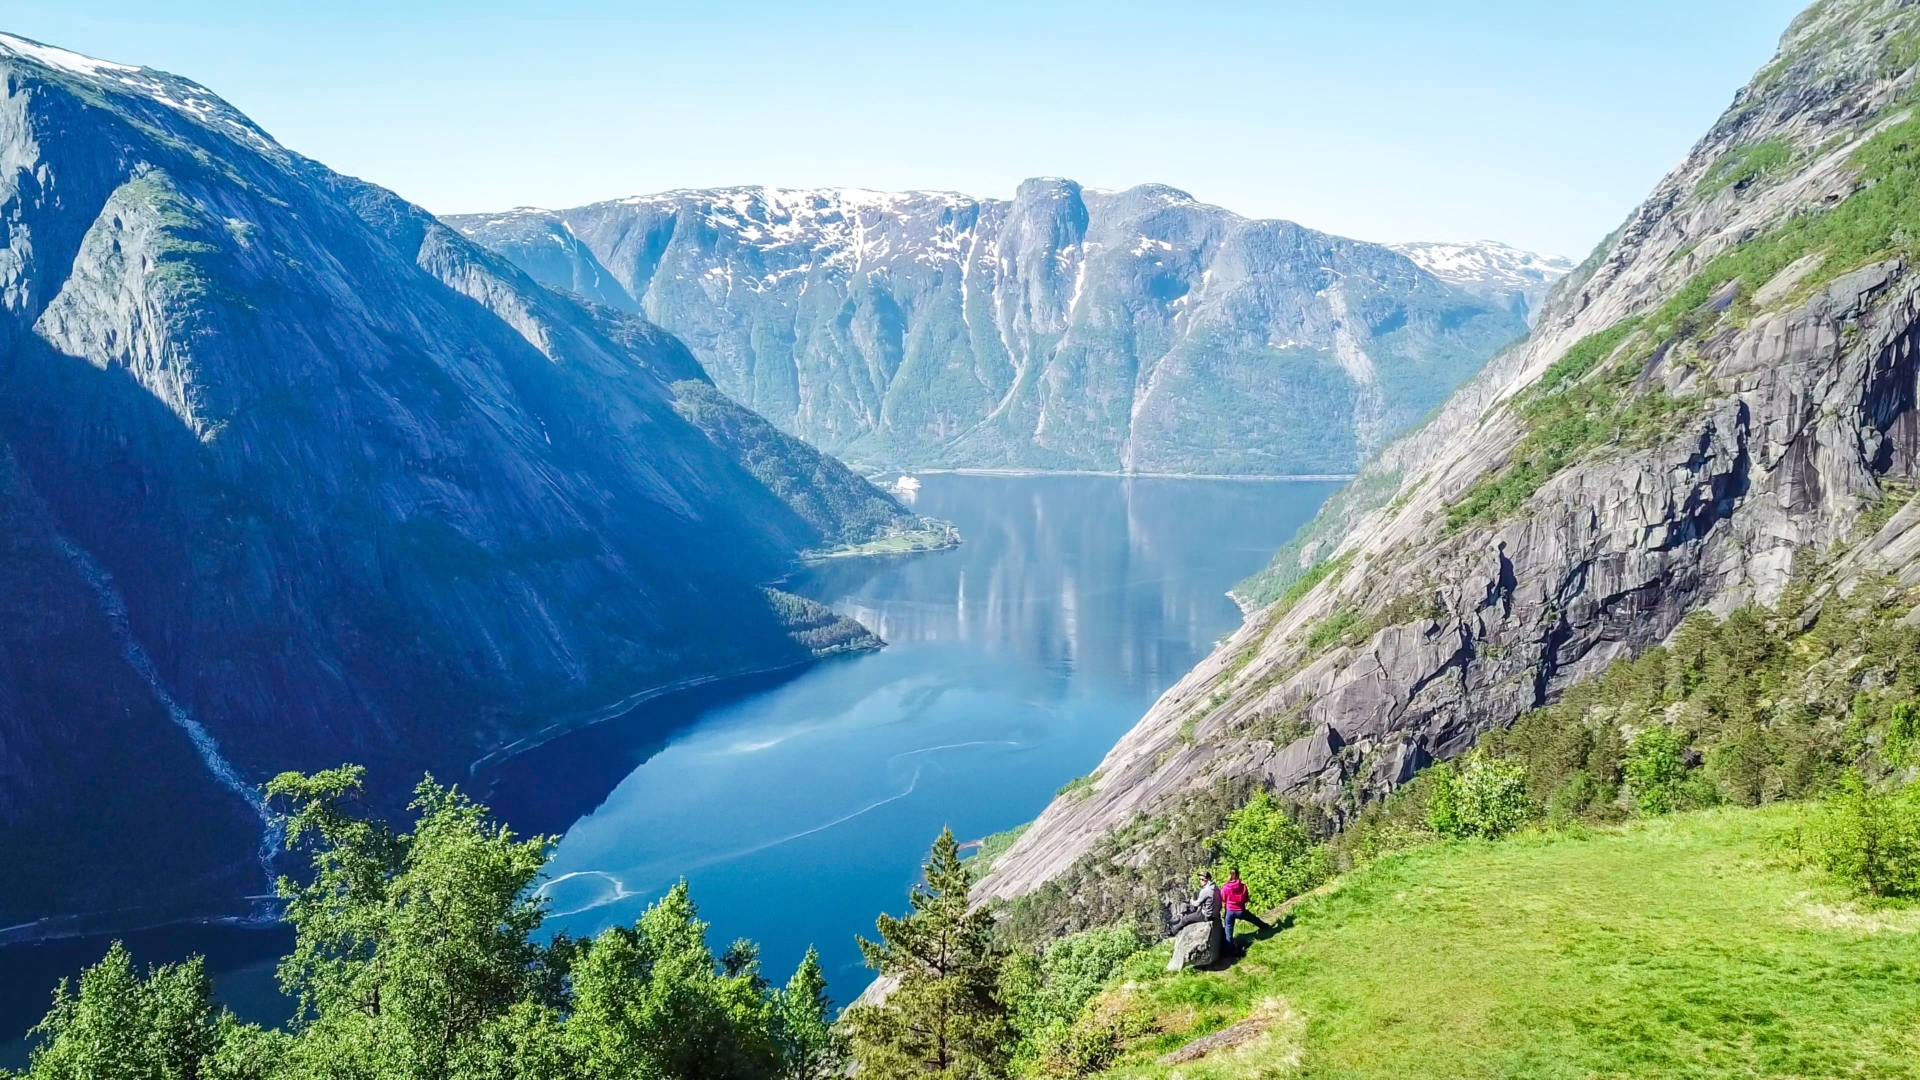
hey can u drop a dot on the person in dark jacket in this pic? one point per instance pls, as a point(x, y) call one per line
point(1235, 899)
point(1205, 906)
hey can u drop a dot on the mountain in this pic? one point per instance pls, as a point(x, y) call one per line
point(1066, 328)
point(1716, 410)
point(294, 474)
point(1499, 272)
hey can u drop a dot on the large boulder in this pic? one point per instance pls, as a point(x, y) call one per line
point(1201, 945)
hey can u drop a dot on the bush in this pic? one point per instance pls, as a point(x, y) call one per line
point(1655, 763)
point(1275, 856)
point(1867, 839)
point(1903, 735)
point(1048, 994)
point(1486, 797)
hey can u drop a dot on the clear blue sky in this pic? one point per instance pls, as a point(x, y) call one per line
point(1537, 123)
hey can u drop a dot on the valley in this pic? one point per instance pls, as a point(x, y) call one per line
point(1536, 645)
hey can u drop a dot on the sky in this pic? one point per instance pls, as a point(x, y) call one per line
point(1538, 124)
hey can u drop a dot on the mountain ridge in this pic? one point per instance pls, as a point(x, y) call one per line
point(304, 476)
point(1067, 328)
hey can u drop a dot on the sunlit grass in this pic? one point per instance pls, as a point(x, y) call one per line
point(1680, 946)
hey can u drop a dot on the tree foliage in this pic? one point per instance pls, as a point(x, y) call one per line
point(1049, 993)
point(945, 1016)
point(1486, 797)
point(418, 956)
point(1868, 839)
point(1274, 855)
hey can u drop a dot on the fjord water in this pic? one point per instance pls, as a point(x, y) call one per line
point(800, 804)
point(801, 810)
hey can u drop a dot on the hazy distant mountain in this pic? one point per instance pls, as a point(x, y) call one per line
point(1504, 274)
point(292, 474)
point(1065, 328)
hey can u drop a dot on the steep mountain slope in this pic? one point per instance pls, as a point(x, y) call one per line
point(294, 474)
point(1066, 328)
point(1720, 394)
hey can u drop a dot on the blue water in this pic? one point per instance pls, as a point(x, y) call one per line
point(799, 805)
point(801, 811)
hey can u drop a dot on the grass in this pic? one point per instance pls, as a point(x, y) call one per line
point(991, 848)
point(933, 536)
point(1080, 786)
point(1745, 164)
point(1333, 628)
point(1676, 946)
point(1567, 415)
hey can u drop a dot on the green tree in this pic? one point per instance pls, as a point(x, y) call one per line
point(1047, 991)
point(120, 1025)
point(945, 1016)
point(651, 1001)
point(406, 946)
point(1868, 839)
point(1903, 735)
point(1486, 797)
point(811, 1048)
point(1443, 799)
point(1275, 856)
point(1655, 766)
point(415, 958)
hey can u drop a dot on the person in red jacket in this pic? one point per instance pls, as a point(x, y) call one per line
point(1234, 899)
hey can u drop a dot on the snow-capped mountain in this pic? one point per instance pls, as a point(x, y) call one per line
point(1499, 271)
point(1067, 327)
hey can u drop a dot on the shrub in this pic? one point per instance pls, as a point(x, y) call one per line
point(1655, 763)
point(1048, 994)
point(1275, 856)
point(1867, 839)
point(1903, 735)
point(1486, 797)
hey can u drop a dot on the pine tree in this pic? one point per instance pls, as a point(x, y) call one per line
point(945, 1016)
point(810, 1047)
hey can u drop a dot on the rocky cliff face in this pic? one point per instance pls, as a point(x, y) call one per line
point(1727, 385)
point(295, 474)
point(1066, 328)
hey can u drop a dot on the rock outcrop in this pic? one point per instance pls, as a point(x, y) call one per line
point(1066, 328)
point(1201, 945)
point(294, 475)
point(1728, 382)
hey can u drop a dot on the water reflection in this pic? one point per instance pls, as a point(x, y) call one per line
point(800, 804)
point(802, 809)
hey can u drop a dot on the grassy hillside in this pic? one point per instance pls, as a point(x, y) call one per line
point(1674, 946)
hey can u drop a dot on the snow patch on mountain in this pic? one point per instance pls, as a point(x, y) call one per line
point(1492, 269)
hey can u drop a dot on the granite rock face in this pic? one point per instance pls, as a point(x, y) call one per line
point(1066, 328)
point(1791, 407)
point(297, 475)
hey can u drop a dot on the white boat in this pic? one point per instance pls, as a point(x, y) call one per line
point(907, 486)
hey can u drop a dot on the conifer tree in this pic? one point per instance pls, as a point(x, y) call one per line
point(811, 1048)
point(944, 1016)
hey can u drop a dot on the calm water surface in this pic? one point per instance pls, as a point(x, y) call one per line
point(801, 811)
point(799, 806)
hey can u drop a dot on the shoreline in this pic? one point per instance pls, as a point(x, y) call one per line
point(625, 705)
